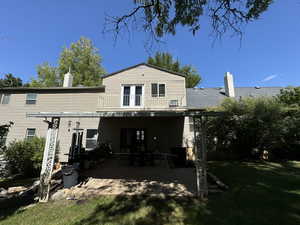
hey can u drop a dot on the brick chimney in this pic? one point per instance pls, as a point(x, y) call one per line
point(229, 86)
point(68, 79)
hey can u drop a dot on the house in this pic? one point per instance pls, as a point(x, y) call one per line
point(141, 105)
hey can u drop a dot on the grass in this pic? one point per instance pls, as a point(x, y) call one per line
point(260, 193)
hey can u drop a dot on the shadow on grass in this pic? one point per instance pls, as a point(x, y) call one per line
point(260, 193)
point(13, 204)
point(143, 210)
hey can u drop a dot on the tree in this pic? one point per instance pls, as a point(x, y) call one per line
point(161, 17)
point(165, 60)
point(3, 132)
point(47, 76)
point(81, 58)
point(290, 96)
point(10, 81)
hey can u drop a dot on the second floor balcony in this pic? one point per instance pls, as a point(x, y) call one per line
point(140, 102)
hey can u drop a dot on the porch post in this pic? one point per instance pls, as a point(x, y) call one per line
point(48, 158)
point(200, 155)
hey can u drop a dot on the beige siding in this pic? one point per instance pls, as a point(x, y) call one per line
point(175, 87)
point(47, 102)
point(177, 129)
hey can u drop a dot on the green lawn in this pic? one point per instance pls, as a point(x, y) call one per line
point(259, 194)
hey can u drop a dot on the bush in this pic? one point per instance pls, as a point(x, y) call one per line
point(25, 156)
point(250, 126)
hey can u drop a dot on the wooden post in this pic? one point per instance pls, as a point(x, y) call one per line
point(200, 155)
point(196, 146)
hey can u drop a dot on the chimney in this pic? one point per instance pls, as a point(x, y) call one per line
point(68, 79)
point(228, 83)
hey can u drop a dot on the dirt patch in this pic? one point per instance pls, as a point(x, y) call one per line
point(117, 178)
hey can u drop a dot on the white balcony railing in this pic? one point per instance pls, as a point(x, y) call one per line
point(107, 101)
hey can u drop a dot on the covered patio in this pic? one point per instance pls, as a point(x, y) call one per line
point(199, 186)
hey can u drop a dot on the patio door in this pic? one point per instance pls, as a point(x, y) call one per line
point(134, 138)
point(132, 96)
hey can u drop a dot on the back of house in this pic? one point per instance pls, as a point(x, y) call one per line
point(140, 106)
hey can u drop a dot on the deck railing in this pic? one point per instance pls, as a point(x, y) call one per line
point(107, 101)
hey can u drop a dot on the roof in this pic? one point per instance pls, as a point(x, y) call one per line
point(144, 64)
point(52, 89)
point(209, 97)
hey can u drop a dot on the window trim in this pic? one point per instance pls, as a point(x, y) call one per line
point(27, 100)
point(30, 136)
point(132, 96)
point(158, 92)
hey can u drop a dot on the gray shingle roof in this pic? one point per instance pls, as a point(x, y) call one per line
point(208, 97)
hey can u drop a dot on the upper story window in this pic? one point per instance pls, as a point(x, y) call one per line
point(30, 133)
point(132, 95)
point(31, 98)
point(4, 99)
point(158, 90)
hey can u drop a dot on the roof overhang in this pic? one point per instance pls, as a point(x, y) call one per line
point(192, 112)
point(52, 89)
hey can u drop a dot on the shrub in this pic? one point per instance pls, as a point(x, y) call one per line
point(25, 156)
point(250, 126)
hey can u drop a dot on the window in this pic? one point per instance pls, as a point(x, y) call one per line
point(138, 95)
point(162, 90)
point(158, 90)
point(30, 133)
point(126, 96)
point(154, 90)
point(132, 95)
point(5, 99)
point(91, 138)
point(31, 98)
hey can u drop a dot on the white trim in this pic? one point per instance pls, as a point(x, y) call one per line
point(132, 96)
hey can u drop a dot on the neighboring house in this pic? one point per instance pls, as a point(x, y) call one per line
point(141, 105)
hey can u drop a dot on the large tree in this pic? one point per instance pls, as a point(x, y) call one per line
point(290, 96)
point(165, 60)
point(82, 58)
point(161, 17)
point(10, 81)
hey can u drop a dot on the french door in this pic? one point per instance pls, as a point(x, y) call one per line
point(132, 95)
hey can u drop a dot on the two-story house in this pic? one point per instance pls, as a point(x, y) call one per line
point(141, 105)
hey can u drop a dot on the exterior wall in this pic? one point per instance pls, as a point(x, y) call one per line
point(168, 130)
point(49, 102)
point(175, 88)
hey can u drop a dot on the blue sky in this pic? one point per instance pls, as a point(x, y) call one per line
point(32, 32)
